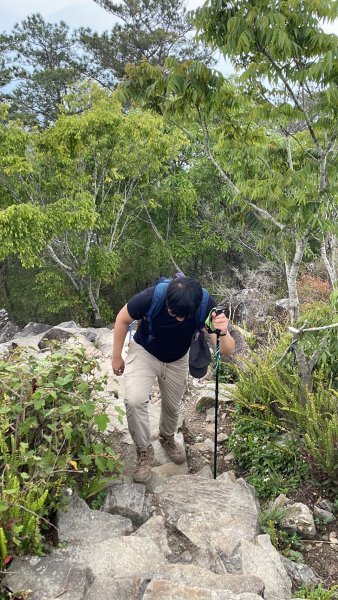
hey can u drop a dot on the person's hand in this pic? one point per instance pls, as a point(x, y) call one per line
point(118, 365)
point(220, 322)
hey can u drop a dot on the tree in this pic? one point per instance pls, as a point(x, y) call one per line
point(86, 180)
point(148, 30)
point(272, 136)
point(44, 66)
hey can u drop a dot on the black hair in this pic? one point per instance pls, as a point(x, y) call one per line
point(184, 295)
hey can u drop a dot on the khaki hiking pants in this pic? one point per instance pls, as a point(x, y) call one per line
point(140, 373)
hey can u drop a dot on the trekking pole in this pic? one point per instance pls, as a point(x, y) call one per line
point(217, 357)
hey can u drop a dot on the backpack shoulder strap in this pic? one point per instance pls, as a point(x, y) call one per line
point(202, 311)
point(156, 304)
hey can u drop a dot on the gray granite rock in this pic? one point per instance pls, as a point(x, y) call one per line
point(325, 516)
point(109, 588)
point(81, 525)
point(155, 529)
point(49, 577)
point(167, 590)
point(221, 530)
point(192, 495)
point(263, 560)
point(127, 500)
point(125, 556)
point(300, 574)
point(32, 329)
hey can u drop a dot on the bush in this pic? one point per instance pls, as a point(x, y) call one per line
point(271, 463)
point(270, 392)
point(51, 435)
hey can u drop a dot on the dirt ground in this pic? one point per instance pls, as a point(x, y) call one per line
point(321, 554)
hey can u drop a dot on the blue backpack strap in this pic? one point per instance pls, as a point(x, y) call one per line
point(202, 311)
point(156, 304)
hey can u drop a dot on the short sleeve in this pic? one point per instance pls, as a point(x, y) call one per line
point(139, 304)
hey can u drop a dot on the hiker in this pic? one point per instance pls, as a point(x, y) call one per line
point(163, 355)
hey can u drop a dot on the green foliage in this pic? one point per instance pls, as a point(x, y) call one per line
point(273, 465)
point(316, 593)
point(271, 391)
point(52, 434)
point(319, 423)
point(285, 542)
point(322, 344)
point(43, 56)
point(144, 29)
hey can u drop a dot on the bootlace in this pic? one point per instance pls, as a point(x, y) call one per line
point(170, 442)
point(142, 458)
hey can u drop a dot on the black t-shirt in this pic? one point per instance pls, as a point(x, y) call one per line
point(171, 339)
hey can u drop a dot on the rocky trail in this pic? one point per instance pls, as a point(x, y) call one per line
point(183, 535)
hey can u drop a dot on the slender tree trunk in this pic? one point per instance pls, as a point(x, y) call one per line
point(95, 306)
point(291, 278)
point(330, 258)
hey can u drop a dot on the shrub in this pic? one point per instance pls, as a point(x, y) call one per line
point(288, 543)
point(51, 435)
point(271, 463)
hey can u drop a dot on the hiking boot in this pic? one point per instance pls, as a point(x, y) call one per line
point(144, 463)
point(175, 451)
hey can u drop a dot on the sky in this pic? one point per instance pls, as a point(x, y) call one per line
point(81, 13)
point(76, 13)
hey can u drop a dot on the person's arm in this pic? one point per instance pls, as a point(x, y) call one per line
point(122, 323)
point(226, 342)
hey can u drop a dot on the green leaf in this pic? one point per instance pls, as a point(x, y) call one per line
point(3, 506)
point(101, 421)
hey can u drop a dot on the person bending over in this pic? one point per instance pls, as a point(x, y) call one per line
point(163, 355)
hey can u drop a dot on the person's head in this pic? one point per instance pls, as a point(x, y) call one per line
point(184, 295)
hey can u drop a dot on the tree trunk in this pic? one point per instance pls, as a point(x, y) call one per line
point(330, 258)
point(95, 306)
point(291, 278)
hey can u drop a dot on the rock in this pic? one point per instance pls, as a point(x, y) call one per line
point(125, 557)
point(127, 500)
point(193, 576)
point(183, 494)
point(155, 529)
point(263, 560)
point(126, 588)
point(325, 505)
point(206, 398)
point(298, 516)
point(300, 519)
point(210, 415)
point(222, 532)
point(48, 577)
point(301, 575)
point(56, 333)
point(283, 304)
point(168, 591)
point(81, 525)
point(323, 515)
point(205, 472)
point(7, 328)
point(222, 437)
point(32, 329)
